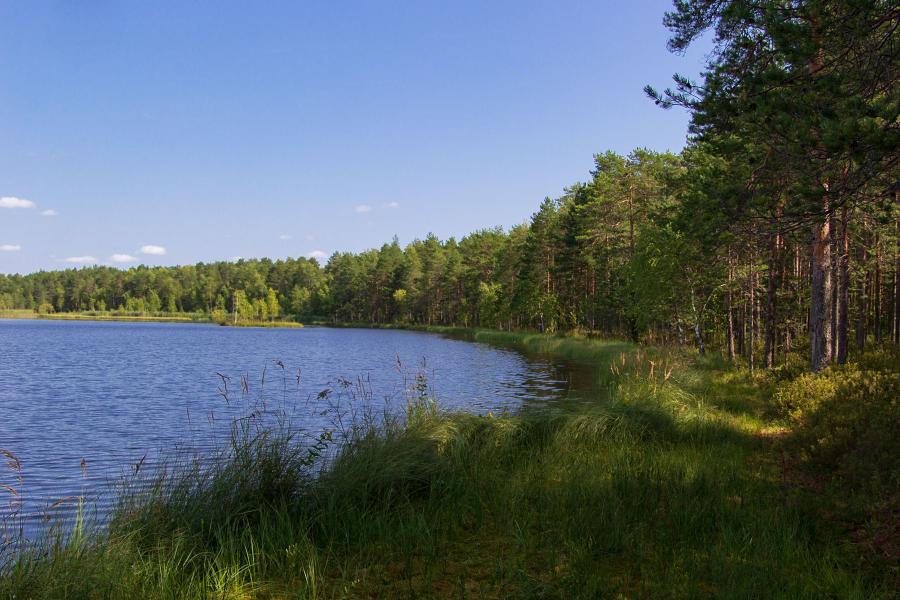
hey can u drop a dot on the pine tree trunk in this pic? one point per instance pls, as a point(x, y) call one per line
point(771, 292)
point(843, 292)
point(876, 297)
point(820, 297)
point(861, 308)
point(833, 299)
point(729, 334)
point(833, 230)
point(751, 330)
point(896, 329)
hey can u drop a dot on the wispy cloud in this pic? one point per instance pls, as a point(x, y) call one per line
point(284, 236)
point(13, 202)
point(10, 247)
point(80, 260)
point(122, 258)
point(362, 208)
point(49, 213)
point(392, 205)
point(319, 254)
point(153, 250)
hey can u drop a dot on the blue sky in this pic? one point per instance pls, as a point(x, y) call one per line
point(175, 132)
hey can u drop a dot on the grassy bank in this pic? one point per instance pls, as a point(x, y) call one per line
point(673, 483)
point(15, 313)
point(111, 316)
point(140, 318)
point(266, 324)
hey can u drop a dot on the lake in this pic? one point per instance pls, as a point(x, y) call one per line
point(84, 402)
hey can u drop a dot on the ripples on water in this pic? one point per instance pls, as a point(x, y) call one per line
point(82, 402)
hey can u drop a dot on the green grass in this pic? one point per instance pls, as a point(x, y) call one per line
point(130, 317)
point(665, 486)
point(266, 324)
point(16, 313)
point(139, 318)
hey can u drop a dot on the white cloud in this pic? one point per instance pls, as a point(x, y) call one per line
point(80, 260)
point(284, 236)
point(122, 258)
point(153, 250)
point(393, 205)
point(49, 213)
point(10, 247)
point(317, 254)
point(363, 208)
point(13, 202)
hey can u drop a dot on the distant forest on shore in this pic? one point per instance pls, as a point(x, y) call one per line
point(776, 227)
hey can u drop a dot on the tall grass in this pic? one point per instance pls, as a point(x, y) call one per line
point(658, 488)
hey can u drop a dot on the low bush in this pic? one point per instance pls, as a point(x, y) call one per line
point(848, 424)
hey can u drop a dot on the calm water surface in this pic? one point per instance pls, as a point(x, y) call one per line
point(82, 402)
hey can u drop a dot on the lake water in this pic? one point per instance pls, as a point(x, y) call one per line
point(81, 403)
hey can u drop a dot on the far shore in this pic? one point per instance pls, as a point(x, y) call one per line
point(140, 318)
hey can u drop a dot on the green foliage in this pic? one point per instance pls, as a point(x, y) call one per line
point(846, 425)
point(805, 394)
point(855, 431)
point(243, 309)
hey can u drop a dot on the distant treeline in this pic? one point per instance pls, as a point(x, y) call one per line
point(777, 226)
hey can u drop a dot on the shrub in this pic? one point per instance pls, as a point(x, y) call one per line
point(847, 420)
point(804, 394)
point(854, 432)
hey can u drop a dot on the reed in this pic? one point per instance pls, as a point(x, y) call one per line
point(662, 486)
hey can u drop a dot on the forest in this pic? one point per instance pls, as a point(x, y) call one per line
point(776, 228)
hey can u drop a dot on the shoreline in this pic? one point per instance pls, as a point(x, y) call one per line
point(670, 479)
point(89, 316)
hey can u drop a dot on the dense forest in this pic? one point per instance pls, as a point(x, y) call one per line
point(777, 227)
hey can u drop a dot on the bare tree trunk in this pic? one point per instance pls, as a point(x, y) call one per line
point(631, 219)
point(740, 331)
point(729, 334)
point(862, 309)
point(787, 263)
point(751, 330)
point(820, 297)
point(771, 291)
point(698, 325)
point(876, 298)
point(843, 292)
point(834, 277)
point(896, 330)
point(802, 326)
point(679, 332)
